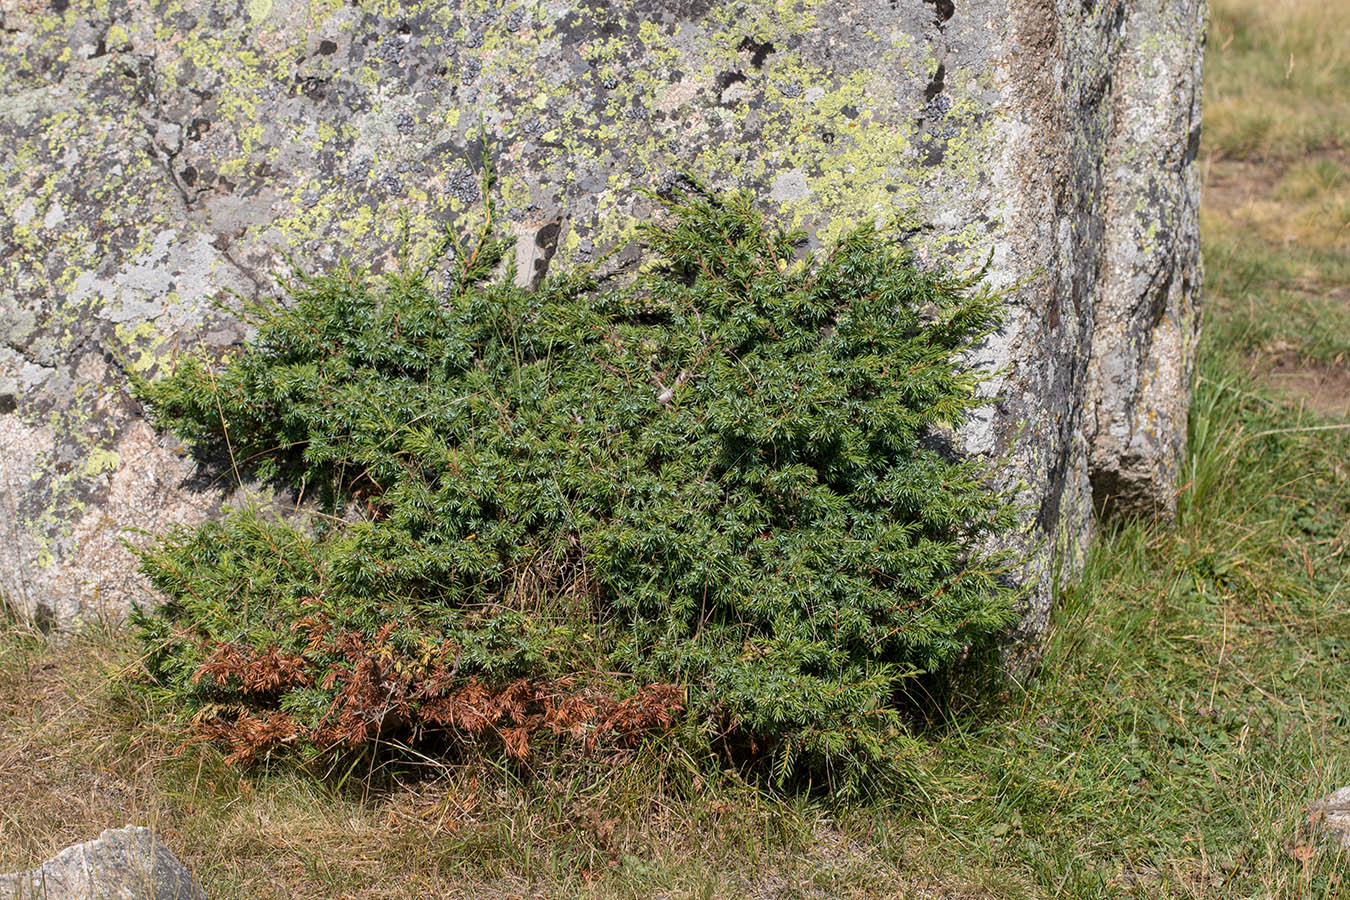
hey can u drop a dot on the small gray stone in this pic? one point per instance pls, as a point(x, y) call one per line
point(1331, 816)
point(123, 864)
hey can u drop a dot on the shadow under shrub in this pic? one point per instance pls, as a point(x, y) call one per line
point(575, 514)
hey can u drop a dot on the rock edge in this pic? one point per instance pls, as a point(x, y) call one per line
point(121, 864)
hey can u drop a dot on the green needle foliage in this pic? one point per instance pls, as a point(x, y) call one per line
point(722, 476)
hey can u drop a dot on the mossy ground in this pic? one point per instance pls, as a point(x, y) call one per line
point(1192, 699)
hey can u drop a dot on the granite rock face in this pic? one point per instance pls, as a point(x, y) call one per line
point(156, 155)
point(1143, 342)
point(122, 864)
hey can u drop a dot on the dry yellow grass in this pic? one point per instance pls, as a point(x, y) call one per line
point(1277, 81)
point(79, 753)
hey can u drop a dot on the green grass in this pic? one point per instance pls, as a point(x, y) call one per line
point(1188, 708)
point(1192, 704)
point(1191, 701)
point(1277, 257)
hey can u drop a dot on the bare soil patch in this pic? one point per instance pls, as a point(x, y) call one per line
point(1323, 389)
point(1229, 183)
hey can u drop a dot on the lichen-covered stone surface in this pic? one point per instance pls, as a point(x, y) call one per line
point(122, 864)
point(156, 156)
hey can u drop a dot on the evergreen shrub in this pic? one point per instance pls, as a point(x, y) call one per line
point(578, 514)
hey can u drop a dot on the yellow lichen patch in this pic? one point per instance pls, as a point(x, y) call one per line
point(515, 192)
point(258, 10)
point(322, 9)
point(359, 224)
point(145, 345)
point(100, 461)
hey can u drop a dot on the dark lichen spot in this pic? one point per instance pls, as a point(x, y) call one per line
point(189, 175)
point(327, 48)
point(942, 9)
point(1192, 146)
point(60, 5)
point(827, 137)
point(758, 51)
point(8, 403)
point(316, 89)
point(359, 170)
point(937, 84)
point(727, 79)
point(462, 184)
point(200, 127)
point(938, 107)
point(547, 242)
point(934, 151)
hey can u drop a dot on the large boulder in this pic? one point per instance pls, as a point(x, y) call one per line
point(121, 864)
point(156, 158)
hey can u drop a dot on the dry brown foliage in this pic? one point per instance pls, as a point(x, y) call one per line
point(381, 695)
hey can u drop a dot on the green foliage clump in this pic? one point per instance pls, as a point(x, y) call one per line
point(721, 476)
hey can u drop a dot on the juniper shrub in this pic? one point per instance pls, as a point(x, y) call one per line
point(579, 513)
